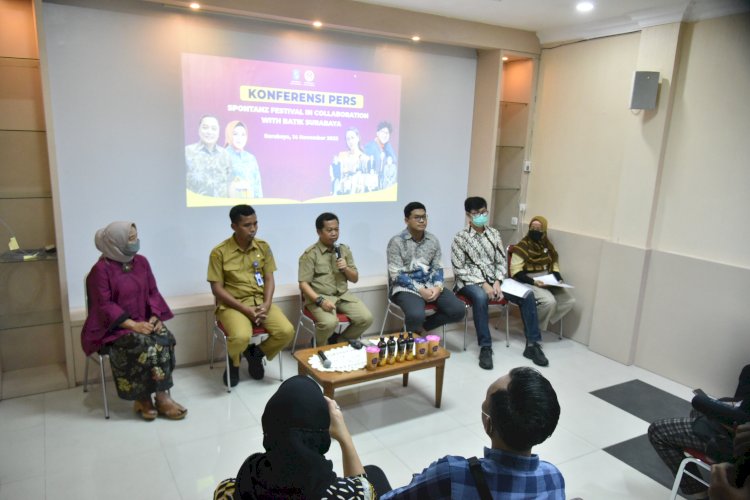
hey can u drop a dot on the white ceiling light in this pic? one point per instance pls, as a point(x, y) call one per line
point(584, 6)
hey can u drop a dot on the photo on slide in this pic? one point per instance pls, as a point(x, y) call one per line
point(272, 133)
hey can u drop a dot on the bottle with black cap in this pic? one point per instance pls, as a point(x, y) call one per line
point(401, 342)
point(383, 354)
point(410, 347)
point(391, 350)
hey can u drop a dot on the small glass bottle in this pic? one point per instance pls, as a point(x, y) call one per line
point(391, 350)
point(383, 354)
point(401, 343)
point(410, 347)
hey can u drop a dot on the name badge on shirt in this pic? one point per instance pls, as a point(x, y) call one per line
point(258, 275)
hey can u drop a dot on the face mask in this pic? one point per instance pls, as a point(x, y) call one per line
point(535, 235)
point(480, 220)
point(132, 247)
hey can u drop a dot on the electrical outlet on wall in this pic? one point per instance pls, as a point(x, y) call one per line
point(522, 207)
point(514, 221)
point(527, 166)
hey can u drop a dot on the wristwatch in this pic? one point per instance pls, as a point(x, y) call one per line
point(319, 300)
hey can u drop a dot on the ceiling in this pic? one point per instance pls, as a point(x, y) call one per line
point(558, 20)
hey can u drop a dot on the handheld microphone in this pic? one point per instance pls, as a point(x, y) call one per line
point(337, 249)
point(326, 362)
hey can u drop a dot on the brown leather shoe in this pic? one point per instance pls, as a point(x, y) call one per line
point(146, 408)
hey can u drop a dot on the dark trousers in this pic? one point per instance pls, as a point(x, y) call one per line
point(480, 306)
point(449, 310)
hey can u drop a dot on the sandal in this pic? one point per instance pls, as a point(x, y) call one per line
point(171, 410)
point(146, 409)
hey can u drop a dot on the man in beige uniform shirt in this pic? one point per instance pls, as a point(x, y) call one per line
point(325, 269)
point(240, 270)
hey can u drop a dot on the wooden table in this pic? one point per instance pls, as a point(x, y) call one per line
point(331, 380)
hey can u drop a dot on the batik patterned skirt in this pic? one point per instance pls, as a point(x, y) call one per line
point(142, 364)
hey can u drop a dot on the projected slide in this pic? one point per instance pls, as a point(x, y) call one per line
point(267, 132)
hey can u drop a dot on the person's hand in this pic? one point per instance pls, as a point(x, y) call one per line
point(327, 305)
point(261, 313)
point(539, 284)
point(488, 290)
point(251, 314)
point(158, 325)
point(426, 294)
point(742, 440)
point(338, 429)
point(341, 264)
point(722, 484)
point(498, 291)
point(143, 327)
point(433, 294)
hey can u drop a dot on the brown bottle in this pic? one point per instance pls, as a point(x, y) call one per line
point(383, 354)
point(391, 350)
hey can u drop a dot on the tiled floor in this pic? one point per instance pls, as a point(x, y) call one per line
point(59, 446)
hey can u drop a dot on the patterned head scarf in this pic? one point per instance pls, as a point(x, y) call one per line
point(539, 255)
point(112, 240)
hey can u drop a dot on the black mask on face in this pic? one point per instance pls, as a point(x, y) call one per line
point(535, 235)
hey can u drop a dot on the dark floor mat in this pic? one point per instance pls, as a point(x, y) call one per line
point(650, 404)
point(640, 455)
point(644, 401)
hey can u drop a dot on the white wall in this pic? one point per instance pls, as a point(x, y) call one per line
point(114, 82)
point(664, 192)
point(577, 146)
point(703, 201)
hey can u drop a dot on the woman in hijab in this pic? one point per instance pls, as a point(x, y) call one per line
point(298, 424)
point(125, 319)
point(534, 256)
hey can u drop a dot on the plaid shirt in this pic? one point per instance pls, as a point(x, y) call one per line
point(509, 476)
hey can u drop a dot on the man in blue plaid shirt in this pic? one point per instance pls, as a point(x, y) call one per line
point(519, 412)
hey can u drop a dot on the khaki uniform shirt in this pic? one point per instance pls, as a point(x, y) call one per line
point(235, 269)
point(317, 266)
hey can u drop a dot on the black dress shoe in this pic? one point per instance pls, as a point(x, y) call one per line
point(234, 375)
point(254, 357)
point(485, 358)
point(535, 354)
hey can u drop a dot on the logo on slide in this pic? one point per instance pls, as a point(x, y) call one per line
point(309, 75)
point(295, 74)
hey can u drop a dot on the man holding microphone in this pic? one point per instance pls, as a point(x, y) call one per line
point(325, 269)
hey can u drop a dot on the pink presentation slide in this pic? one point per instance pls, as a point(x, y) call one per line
point(265, 132)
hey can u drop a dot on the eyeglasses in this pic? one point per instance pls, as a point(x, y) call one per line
point(481, 212)
point(419, 218)
point(486, 415)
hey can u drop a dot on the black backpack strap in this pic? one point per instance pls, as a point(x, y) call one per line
point(478, 473)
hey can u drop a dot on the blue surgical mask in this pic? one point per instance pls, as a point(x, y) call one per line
point(480, 220)
point(132, 247)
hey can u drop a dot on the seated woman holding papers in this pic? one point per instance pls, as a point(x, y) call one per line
point(533, 258)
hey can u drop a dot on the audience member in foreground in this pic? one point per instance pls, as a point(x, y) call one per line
point(240, 271)
point(519, 412)
point(671, 436)
point(125, 318)
point(298, 424)
point(724, 475)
